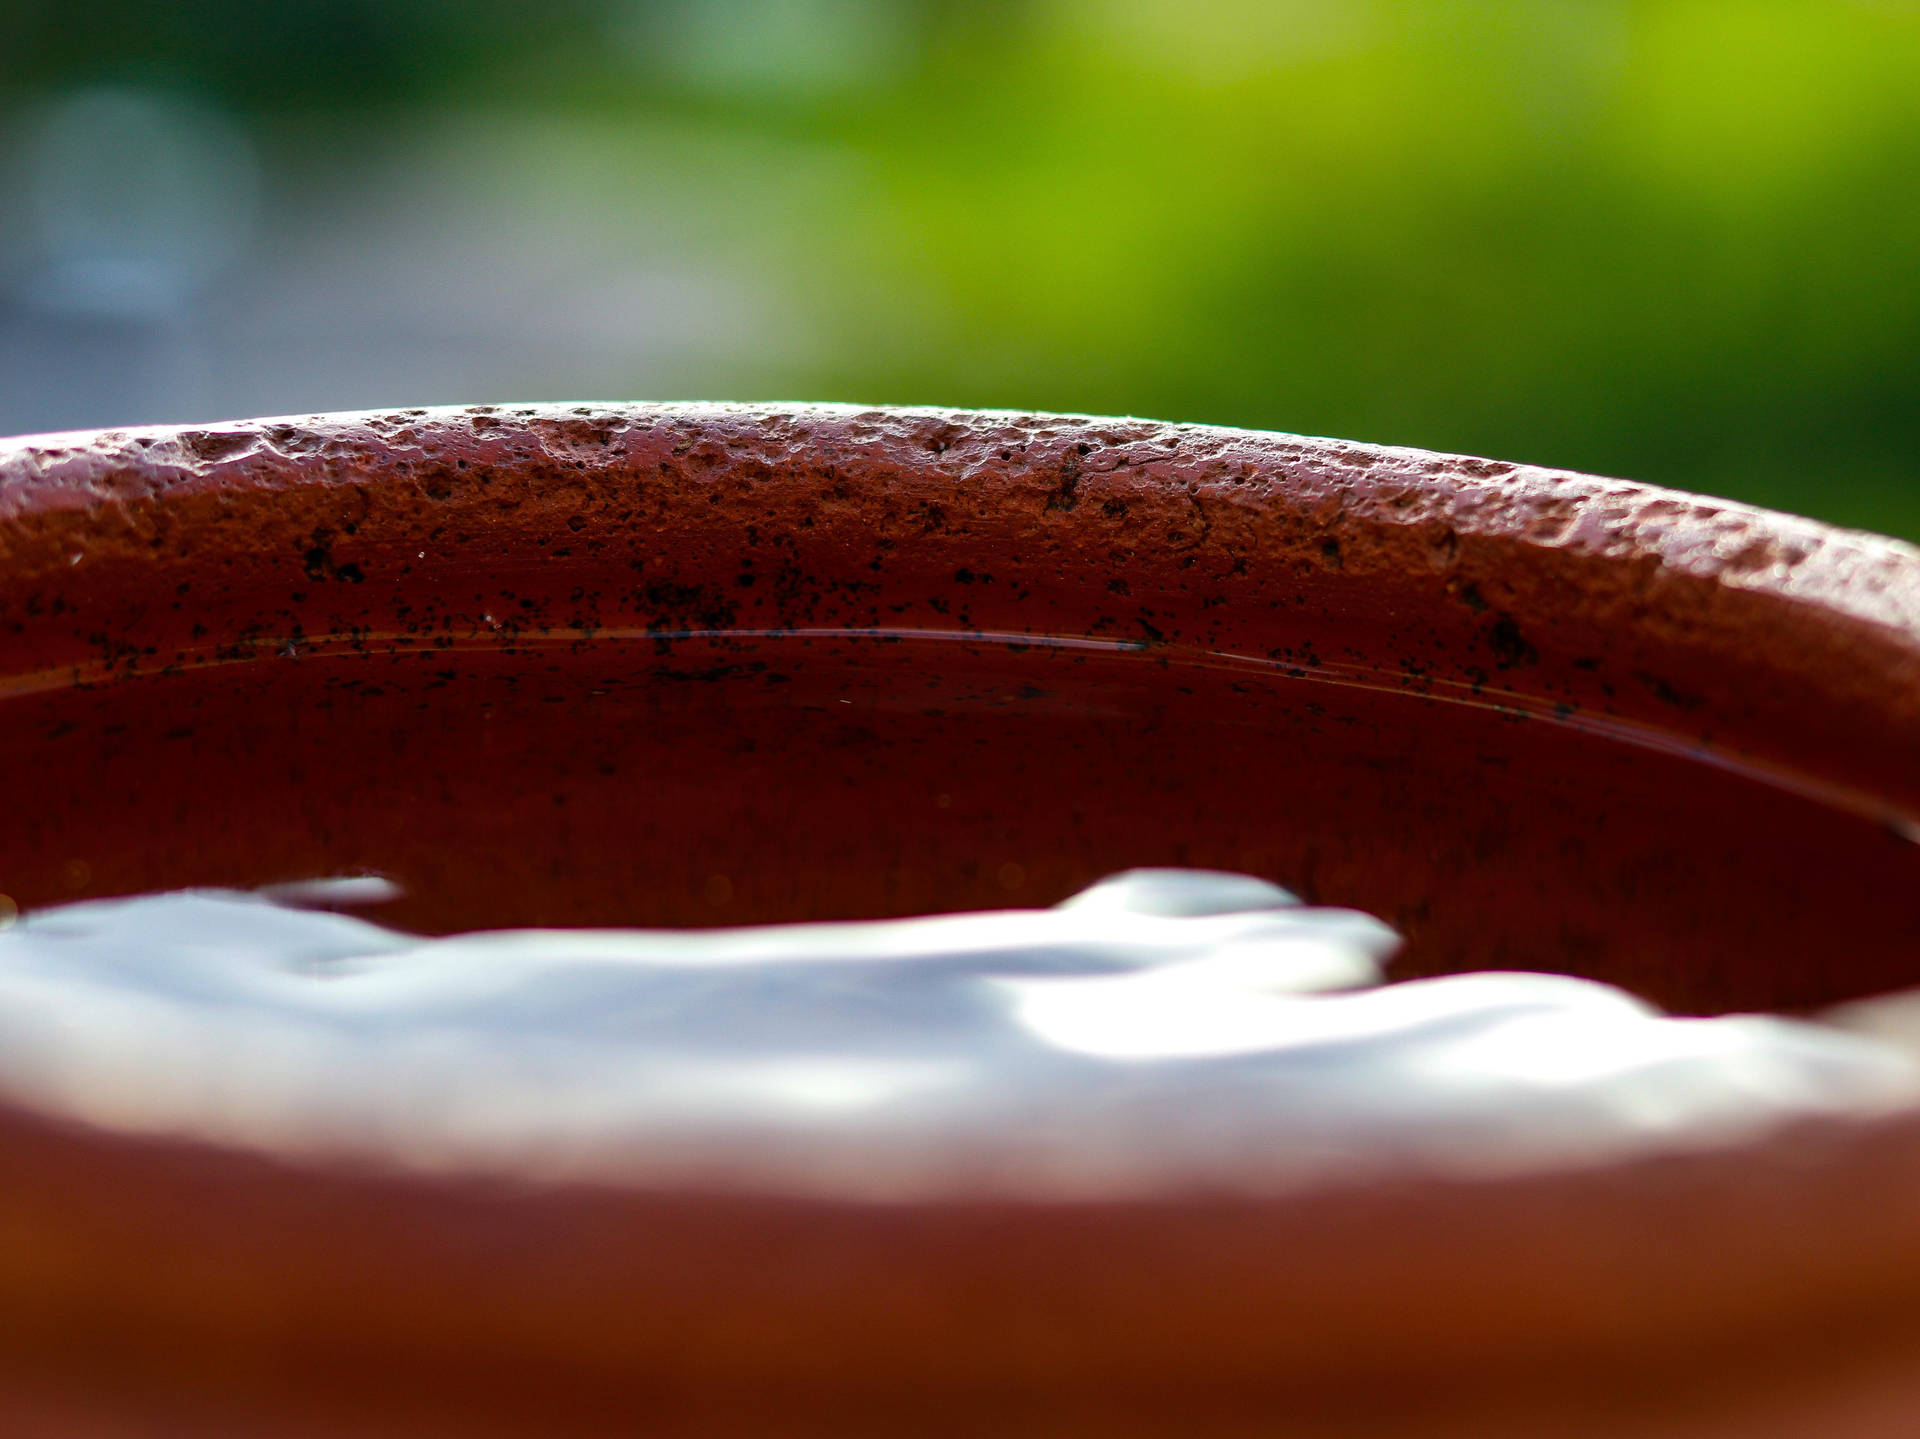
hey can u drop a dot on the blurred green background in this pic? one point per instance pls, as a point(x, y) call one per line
point(1674, 241)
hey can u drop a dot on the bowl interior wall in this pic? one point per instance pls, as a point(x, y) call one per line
point(748, 779)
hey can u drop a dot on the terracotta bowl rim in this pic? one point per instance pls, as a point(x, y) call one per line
point(1838, 614)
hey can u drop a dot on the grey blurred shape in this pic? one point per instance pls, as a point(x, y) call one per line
point(130, 202)
point(450, 258)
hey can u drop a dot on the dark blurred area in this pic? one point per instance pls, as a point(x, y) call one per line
point(1676, 241)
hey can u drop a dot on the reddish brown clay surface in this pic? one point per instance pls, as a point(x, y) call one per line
point(699, 664)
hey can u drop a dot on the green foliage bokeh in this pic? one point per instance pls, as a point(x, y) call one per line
point(1672, 239)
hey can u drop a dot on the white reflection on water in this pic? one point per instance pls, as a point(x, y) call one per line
point(1166, 1029)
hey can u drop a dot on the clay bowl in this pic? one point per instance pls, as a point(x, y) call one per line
point(687, 665)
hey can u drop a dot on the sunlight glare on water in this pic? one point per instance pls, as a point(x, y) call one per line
point(1163, 1028)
